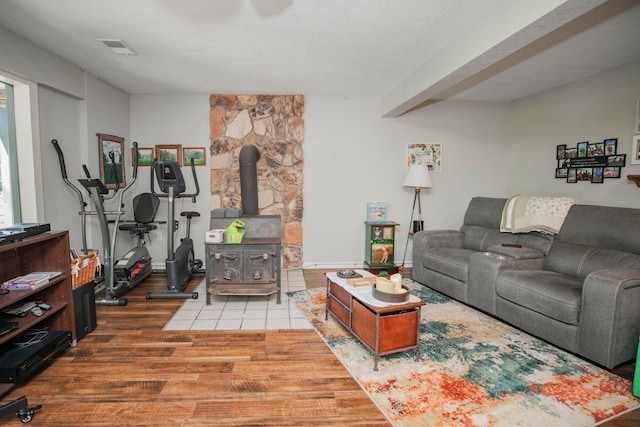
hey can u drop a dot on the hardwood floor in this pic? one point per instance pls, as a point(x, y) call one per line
point(131, 372)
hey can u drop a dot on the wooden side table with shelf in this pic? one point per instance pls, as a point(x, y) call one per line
point(380, 247)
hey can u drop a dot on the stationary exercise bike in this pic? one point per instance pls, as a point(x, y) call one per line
point(180, 263)
point(120, 276)
point(135, 265)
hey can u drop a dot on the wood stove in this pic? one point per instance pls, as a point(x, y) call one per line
point(251, 267)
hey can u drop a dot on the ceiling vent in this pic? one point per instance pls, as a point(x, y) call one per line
point(117, 46)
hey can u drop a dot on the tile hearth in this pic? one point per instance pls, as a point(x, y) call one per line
point(241, 312)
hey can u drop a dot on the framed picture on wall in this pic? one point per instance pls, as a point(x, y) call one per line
point(617, 160)
point(582, 149)
point(562, 172)
point(597, 175)
point(611, 172)
point(425, 154)
point(198, 154)
point(583, 174)
point(145, 156)
point(376, 212)
point(169, 152)
point(596, 149)
point(610, 146)
point(111, 152)
point(635, 150)
point(560, 151)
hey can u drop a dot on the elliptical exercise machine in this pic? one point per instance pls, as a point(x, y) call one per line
point(180, 264)
point(121, 276)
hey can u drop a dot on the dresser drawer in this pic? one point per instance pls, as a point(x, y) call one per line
point(341, 312)
point(340, 294)
point(397, 330)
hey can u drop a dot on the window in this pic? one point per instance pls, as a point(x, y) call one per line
point(9, 190)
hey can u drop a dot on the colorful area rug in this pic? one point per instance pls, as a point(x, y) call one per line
point(474, 371)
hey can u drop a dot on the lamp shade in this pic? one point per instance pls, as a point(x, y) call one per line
point(418, 176)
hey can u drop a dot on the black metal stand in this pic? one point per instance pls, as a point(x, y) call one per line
point(172, 295)
point(416, 198)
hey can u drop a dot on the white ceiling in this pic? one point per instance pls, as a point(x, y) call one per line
point(330, 47)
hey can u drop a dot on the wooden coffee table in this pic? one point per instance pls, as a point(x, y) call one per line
point(383, 328)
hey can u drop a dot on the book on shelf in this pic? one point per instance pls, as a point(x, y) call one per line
point(31, 280)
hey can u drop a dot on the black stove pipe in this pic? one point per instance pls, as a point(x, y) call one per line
point(249, 156)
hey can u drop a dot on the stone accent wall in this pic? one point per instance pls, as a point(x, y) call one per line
point(274, 124)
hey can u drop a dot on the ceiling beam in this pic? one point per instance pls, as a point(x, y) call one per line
point(509, 27)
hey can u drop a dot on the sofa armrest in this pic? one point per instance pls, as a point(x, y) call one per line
point(610, 316)
point(516, 252)
point(431, 239)
point(484, 269)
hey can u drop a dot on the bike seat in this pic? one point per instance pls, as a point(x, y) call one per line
point(137, 228)
point(190, 214)
point(145, 206)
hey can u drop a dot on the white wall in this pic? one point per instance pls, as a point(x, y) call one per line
point(592, 109)
point(23, 58)
point(74, 123)
point(353, 156)
point(61, 121)
point(174, 119)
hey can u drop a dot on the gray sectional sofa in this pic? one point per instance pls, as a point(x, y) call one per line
point(578, 290)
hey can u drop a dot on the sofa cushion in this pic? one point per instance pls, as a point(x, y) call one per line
point(579, 261)
point(535, 240)
point(452, 262)
point(552, 294)
point(481, 238)
point(484, 212)
point(516, 253)
point(602, 227)
point(481, 227)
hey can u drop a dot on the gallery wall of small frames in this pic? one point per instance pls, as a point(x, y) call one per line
point(591, 162)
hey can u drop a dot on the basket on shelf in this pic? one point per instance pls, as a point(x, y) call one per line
point(83, 269)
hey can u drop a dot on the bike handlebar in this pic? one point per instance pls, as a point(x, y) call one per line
point(195, 180)
point(63, 168)
point(135, 160)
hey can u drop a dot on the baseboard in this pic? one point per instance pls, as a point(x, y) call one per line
point(331, 265)
point(337, 266)
point(159, 267)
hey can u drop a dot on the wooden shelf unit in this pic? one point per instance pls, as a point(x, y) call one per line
point(44, 252)
point(634, 178)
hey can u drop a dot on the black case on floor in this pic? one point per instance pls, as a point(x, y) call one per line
point(84, 309)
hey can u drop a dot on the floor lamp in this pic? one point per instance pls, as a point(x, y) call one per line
point(417, 177)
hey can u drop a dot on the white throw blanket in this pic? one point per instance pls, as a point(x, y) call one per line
point(523, 214)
